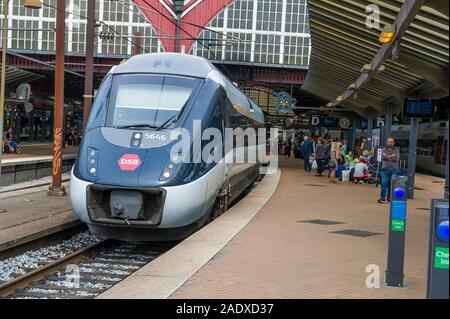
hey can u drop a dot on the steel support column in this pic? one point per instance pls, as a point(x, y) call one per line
point(388, 124)
point(353, 136)
point(412, 151)
point(56, 188)
point(369, 130)
point(3, 75)
point(89, 71)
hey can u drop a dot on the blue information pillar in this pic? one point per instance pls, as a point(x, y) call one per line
point(437, 283)
point(397, 227)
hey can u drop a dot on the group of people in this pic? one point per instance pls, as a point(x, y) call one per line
point(321, 153)
point(72, 135)
point(9, 144)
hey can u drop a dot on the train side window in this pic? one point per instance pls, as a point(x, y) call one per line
point(426, 147)
point(441, 151)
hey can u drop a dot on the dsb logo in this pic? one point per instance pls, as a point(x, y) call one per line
point(129, 162)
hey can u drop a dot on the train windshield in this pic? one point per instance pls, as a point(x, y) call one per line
point(148, 100)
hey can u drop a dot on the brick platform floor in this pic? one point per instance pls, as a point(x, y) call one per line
point(29, 151)
point(278, 256)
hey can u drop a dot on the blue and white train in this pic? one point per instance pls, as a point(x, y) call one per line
point(125, 184)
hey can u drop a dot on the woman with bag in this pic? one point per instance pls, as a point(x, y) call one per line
point(335, 156)
point(319, 156)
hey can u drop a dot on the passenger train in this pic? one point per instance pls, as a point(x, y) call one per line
point(125, 183)
point(431, 145)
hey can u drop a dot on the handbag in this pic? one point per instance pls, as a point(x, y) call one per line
point(314, 165)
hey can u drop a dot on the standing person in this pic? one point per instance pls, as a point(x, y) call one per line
point(327, 152)
point(389, 166)
point(288, 148)
point(319, 156)
point(335, 156)
point(307, 150)
point(344, 147)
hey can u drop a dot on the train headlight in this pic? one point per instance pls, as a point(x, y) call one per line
point(167, 172)
point(136, 139)
point(92, 161)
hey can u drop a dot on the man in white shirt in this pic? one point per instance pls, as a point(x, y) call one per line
point(361, 173)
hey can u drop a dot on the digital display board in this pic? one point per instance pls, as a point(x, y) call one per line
point(418, 108)
point(330, 122)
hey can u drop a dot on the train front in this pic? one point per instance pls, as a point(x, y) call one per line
point(126, 184)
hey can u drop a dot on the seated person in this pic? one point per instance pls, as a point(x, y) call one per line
point(361, 173)
point(348, 158)
point(9, 145)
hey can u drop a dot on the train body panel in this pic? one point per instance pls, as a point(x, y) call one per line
point(126, 183)
point(431, 145)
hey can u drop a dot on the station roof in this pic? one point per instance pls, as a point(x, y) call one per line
point(342, 44)
point(15, 76)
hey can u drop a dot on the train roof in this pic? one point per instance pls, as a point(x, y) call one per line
point(167, 63)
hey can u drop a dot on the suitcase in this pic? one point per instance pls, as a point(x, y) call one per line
point(345, 176)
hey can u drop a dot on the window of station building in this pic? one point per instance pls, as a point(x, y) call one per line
point(78, 39)
point(210, 45)
point(23, 36)
point(239, 50)
point(119, 43)
point(240, 15)
point(47, 11)
point(269, 15)
point(297, 50)
point(48, 38)
point(296, 16)
point(219, 21)
point(149, 39)
point(267, 48)
point(115, 11)
point(81, 8)
point(19, 9)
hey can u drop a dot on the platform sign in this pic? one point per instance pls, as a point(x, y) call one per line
point(376, 136)
point(379, 154)
point(315, 120)
point(397, 228)
point(437, 283)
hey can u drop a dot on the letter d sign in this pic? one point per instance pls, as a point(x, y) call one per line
point(315, 120)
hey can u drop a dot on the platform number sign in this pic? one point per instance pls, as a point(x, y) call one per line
point(284, 102)
point(129, 162)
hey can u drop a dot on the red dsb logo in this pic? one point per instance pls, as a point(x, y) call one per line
point(129, 162)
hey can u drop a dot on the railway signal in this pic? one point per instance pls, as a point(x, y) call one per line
point(106, 35)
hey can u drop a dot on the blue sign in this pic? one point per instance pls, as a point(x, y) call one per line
point(284, 102)
point(398, 209)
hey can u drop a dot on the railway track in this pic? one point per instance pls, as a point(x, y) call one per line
point(85, 273)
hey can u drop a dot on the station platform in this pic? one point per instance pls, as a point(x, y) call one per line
point(293, 236)
point(27, 215)
point(35, 161)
